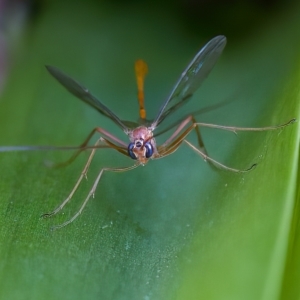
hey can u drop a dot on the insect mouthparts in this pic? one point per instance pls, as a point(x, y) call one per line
point(139, 144)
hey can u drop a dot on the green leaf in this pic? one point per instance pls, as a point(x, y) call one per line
point(176, 228)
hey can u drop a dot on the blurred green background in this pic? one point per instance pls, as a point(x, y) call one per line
point(176, 228)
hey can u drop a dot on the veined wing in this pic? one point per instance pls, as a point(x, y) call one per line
point(83, 94)
point(192, 77)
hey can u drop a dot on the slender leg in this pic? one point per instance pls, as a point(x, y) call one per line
point(82, 147)
point(195, 125)
point(181, 126)
point(234, 129)
point(92, 192)
point(216, 163)
point(83, 174)
point(174, 141)
point(169, 148)
point(200, 141)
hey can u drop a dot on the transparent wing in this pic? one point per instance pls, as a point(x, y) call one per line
point(83, 94)
point(192, 77)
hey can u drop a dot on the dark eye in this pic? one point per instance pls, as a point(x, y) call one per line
point(130, 151)
point(149, 149)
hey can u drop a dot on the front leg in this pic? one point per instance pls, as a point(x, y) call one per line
point(92, 193)
point(175, 138)
point(83, 146)
point(85, 170)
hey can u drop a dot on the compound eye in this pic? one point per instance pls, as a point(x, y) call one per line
point(130, 151)
point(149, 149)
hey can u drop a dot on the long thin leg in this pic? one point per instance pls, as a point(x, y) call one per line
point(216, 163)
point(92, 192)
point(167, 149)
point(199, 137)
point(195, 124)
point(83, 174)
point(84, 144)
point(234, 129)
point(181, 126)
point(168, 145)
point(174, 145)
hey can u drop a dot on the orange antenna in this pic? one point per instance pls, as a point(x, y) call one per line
point(141, 69)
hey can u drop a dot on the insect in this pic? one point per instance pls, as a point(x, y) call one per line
point(142, 145)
